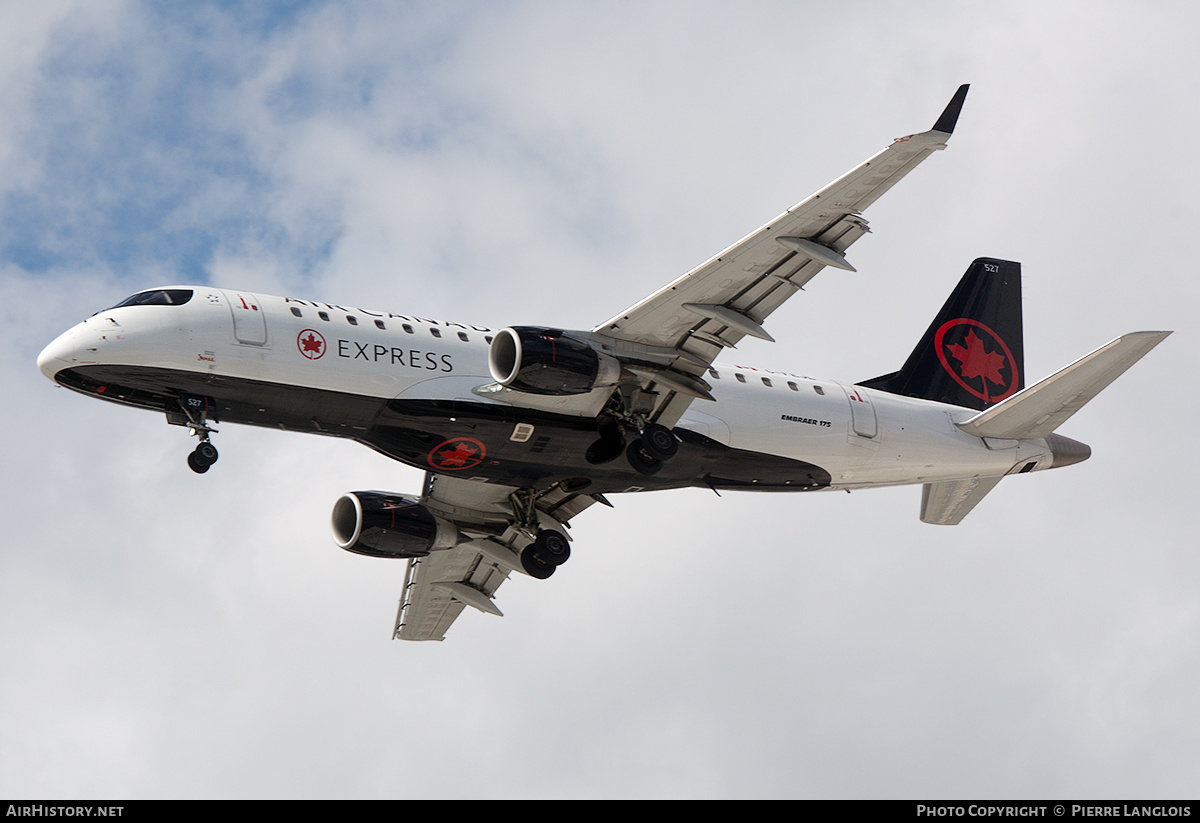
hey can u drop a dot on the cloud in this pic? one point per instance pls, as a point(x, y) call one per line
point(174, 635)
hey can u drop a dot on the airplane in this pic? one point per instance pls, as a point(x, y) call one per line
point(519, 429)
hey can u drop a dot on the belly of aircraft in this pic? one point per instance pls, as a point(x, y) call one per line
point(490, 442)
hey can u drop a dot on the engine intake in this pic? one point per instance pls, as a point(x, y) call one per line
point(379, 524)
point(539, 360)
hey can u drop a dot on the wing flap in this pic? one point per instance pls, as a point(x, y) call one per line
point(439, 586)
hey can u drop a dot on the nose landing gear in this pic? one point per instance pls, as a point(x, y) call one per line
point(205, 454)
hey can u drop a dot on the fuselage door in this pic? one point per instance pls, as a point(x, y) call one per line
point(249, 319)
point(862, 412)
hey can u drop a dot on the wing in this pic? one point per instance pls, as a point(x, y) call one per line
point(716, 304)
point(439, 586)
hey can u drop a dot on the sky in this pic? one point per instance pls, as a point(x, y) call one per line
point(170, 635)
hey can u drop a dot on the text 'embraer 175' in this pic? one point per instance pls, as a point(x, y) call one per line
point(521, 429)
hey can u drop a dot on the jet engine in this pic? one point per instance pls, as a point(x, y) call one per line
point(379, 524)
point(538, 360)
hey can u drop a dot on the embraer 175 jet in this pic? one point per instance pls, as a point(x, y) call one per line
point(521, 429)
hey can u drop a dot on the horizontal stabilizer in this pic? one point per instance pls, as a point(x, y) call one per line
point(948, 502)
point(1040, 409)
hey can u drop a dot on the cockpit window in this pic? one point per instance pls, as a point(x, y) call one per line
point(157, 297)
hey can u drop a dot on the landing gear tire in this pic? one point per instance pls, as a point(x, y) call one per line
point(552, 547)
point(206, 453)
point(642, 461)
point(659, 441)
point(534, 564)
point(202, 457)
point(196, 465)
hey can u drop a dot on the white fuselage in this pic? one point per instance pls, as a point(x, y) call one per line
point(222, 338)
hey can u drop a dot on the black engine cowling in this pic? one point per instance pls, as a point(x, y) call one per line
point(539, 360)
point(379, 524)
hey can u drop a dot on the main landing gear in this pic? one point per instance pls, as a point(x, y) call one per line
point(655, 445)
point(646, 453)
point(550, 547)
point(545, 554)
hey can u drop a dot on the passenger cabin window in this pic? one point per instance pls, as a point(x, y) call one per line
point(767, 382)
point(741, 378)
point(379, 324)
point(156, 297)
point(716, 375)
point(297, 312)
point(435, 332)
point(462, 335)
point(792, 385)
point(488, 339)
point(351, 319)
point(407, 328)
point(324, 315)
point(819, 390)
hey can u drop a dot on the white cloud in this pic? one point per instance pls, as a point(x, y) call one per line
point(173, 635)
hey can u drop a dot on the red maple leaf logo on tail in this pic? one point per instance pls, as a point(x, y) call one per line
point(976, 361)
point(982, 360)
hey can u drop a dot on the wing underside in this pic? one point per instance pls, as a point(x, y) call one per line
point(439, 586)
point(729, 296)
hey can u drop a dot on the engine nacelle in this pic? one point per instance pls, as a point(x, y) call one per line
point(380, 524)
point(539, 360)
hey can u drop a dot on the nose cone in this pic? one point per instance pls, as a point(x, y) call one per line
point(60, 354)
point(1066, 452)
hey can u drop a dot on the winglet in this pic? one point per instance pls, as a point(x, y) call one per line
point(949, 117)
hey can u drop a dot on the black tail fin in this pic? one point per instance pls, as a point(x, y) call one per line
point(974, 353)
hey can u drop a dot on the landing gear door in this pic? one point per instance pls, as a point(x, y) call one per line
point(249, 320)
